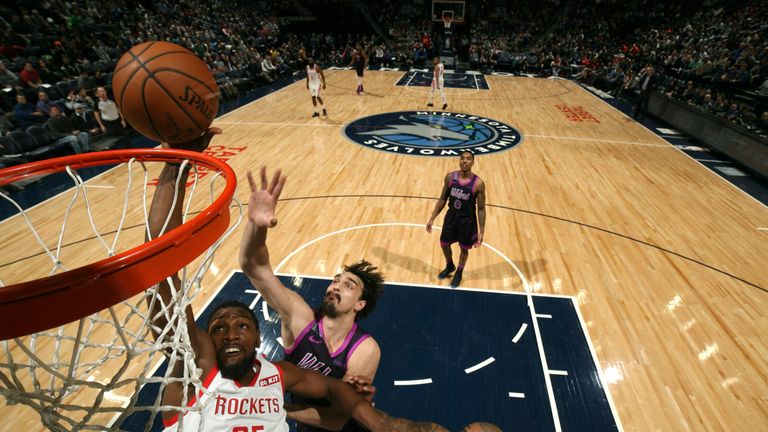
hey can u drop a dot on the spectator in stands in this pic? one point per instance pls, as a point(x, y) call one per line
point(8, 82)
point(46, 74)
point(84, 120)
point(762, 124)
point(62, 130)
point(100, 78)
point(5, 123)
point(86, 81)
point(29, 77)
point(44, 103)
point(27, 114)
point(108, 116)
point(68, 70)
point(82, 97)
point(8, 79)
point(268, 67)
point(733, 113)
point(707, 105)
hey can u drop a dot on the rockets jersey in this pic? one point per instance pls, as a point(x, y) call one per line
point(440, 70)
point(309, 351)
point(314, 77)
point(461, 197)
point(227, 406)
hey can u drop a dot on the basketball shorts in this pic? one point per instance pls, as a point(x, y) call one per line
point(458, 228)
point(438, 84)
point(314, 89)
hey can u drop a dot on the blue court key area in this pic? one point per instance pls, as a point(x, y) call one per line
point(432, 333)
point(416, 78)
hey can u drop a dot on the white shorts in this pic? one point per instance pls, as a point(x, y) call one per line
point(314, 89)
point(438, 84)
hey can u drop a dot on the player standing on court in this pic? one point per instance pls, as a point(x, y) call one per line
point(315, 78)
point(359, 62)
point(465, 192)
point(438, 81)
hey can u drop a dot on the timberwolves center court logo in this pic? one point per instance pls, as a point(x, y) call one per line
point(430, 133)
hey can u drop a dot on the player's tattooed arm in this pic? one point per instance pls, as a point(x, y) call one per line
point(405, 425)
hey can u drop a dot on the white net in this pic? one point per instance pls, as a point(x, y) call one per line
point(85, 375)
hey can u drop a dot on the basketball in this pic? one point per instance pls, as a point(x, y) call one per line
point(165, 92)
point(481, 427)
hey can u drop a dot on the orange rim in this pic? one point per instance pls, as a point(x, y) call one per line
point(37, 305)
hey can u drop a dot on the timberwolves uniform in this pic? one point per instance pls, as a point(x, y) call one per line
point(230, 407)
point(310, 352)
point(461, 219)
point(314, 81)
point(358, 63)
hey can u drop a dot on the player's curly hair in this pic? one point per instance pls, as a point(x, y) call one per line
point(373, 284)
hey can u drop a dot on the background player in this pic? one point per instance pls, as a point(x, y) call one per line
point(438, 81)
point(464, 191)
point(246, 391)
point(327, 339)
point(315, 78)
point(359, 62)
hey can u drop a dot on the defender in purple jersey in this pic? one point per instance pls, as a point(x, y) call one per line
point(464, 192)
point(328, 339)
point(246, 392)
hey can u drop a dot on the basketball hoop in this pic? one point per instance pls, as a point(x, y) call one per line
point(102, 284)
point(447, 20)
point(85, 373)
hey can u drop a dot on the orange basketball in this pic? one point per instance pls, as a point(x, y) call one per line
point(165, 91)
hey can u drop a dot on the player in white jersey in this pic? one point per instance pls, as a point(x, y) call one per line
point(438, 81)
point(315, 78)
point(244, 392)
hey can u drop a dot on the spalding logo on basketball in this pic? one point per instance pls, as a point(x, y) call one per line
point(432, 133)
point(165, 91)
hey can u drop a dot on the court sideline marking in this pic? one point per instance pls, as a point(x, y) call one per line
point(673, 146)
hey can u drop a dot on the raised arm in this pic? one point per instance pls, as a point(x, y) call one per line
point(314, 385)
point(294, 312)
point(480, 212)
point(172, 182)
point(440, 202)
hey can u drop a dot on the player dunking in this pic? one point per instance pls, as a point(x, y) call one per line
point(315, 78)
point(465, 192)
point(438, 81)
point(359, 62)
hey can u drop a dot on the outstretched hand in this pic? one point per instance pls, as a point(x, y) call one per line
point(198, 144)
point(263, 200)
point(362, 385)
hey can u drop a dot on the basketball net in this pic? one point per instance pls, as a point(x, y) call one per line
point(447, 20)
point(86, 375)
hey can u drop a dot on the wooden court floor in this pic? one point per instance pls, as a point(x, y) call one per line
point(664, 257)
